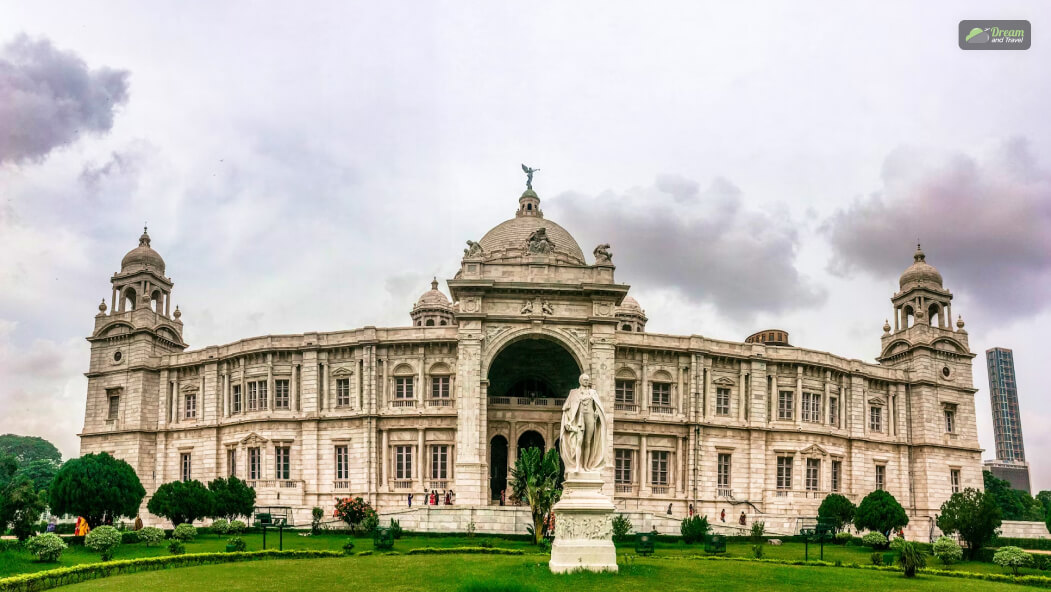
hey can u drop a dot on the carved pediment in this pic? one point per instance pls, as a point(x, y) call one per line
point(190, 387)
point(253, 439)
point(342, 372)
point(877, 401)
point(814, 450)
point(723, 381)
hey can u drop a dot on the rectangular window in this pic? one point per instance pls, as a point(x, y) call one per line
point(812, 407)
point(784, 472)
point(661, 394)
point(625, 391)
point(954, 478)
point(282, 462)
point(659, 467)
point(253, 396)
point(231, 462)
point(342, 392)
point(876, 419)
point(439, 462)
point(262, 395)
point(833, 411)
point(342, 463)
point(785, 408)
point(185, 463)
point(813, 474)
point(950, 421)
point(191, 406)
point(881, 476)
point(837, 468)
point(281, 400)
point(236, 398)
point(622, 474)
point(254, 467)
point(114, 407)
point(403, 462)
point(723, 473)
point(722, 401)
point(403, 387)
point(440, 387)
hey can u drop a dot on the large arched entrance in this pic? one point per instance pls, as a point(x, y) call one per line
point(530, 439)
point(497, 466)
point(533, 368)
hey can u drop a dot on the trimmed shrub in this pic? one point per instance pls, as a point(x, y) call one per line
point(47, 547)
point(463, 551)
point(237, 543)
point(370, 523)
point(129, 537)
point(184, 532)
point(621, 527)
point(104, 540)
point(758, 529)
point(876, 558)
point(395, 528)
point(842, 538)
point(910, 559)
point(237, 527)
point(486, 544)
point(175, 547)
point(1013, 558)
point(876, 540)
point(694, 529)
point(757, 551)
point(1036, 544)
point(151, 535)
point(220, 526)
point(316, 515)
point(947, 550)
point(348, 547)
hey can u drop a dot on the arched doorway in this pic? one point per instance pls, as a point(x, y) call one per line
point(533, 368)
point(530, 439)
point(497, 466)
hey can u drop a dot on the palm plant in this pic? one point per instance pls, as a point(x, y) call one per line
point(534, 480)
point(911, 559)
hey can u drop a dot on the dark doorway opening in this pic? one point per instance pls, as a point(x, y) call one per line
point(530, 439)
point(497, 466)
point(533, 368)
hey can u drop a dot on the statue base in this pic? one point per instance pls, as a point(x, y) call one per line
point(583, 527)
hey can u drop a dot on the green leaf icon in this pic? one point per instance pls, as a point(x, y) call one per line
point(974, 31)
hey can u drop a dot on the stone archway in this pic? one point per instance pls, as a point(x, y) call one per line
point(497, 466)
point(530, 439)
point(533, 368)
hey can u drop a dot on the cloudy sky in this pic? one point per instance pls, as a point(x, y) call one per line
point(753, 165)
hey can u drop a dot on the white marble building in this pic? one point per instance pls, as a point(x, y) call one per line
point(446, 402)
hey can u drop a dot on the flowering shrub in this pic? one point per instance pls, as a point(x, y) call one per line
point(357, 513)
point(47, 547)
point(236, 544)
point(237, 527)
point(184, 532)
point(843, 538)
point(876, 540)
point(151, 535)
point(947, 550)
point(104, 540)
point(220, 526)
point(1012, 557)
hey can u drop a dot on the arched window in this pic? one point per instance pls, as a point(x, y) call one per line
point(934, 315)
point(129, 300)
point(625, 327)
point(429, 323)
point(157, 302)
point(443, 323)
point(909, 316)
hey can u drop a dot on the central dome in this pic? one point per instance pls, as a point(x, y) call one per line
point(511, 238)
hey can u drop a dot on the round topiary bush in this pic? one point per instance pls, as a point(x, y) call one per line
point(236, 545)
point(237, 527)
point(220, 526)
point(151, 535)
point(947, 550)
point(47, 547)
point(876, 540)
point(184, 532)
point(175, 547)
point(843, 538)
point(1012, 558)
point(104, 540)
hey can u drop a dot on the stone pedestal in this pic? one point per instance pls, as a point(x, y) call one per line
point(583, 527)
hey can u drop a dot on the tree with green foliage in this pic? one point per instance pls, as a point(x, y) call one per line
point(837, 510)
point(879, 511)
point(20, 506)
point(233, 498)
point(972, 513)
point(1044, 497)
point(182, 501)
point(1014, 504)
point(41, 472)
point(534, 480)
point(910, 558)
point(27, 449)
point(96, 486)
point(8, 469)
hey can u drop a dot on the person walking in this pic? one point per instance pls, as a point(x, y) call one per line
point(722, 515)
point(410, 500)
point(743, 520)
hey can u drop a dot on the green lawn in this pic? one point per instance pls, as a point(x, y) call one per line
point(434, 573)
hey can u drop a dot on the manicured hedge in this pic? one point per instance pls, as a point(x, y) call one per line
point(1036, 544)
point(463, 551)
point(65, 576)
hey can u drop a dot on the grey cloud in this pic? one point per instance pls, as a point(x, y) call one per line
point(983, 223)
point(707, 247)
point(49, 97)
point(120, 164)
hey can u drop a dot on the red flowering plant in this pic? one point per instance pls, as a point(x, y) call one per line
point(357, 513)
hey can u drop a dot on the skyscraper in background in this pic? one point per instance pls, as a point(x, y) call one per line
point(1007, 421)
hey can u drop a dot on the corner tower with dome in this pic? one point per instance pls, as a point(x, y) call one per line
point(480, 372)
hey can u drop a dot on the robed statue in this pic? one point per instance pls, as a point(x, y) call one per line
point(583, 433)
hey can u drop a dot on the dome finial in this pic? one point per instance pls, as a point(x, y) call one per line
point(177, 313)
point(434, 283)
point(919, 255)
point(886, 325)
point(144, 240)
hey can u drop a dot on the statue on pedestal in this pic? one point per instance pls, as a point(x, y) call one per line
point(583, 433)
